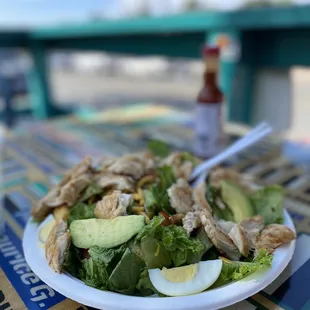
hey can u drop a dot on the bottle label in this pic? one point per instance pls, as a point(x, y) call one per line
point(208, 129)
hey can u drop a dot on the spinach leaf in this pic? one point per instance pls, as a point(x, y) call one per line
point(110, 257)
point(211, 195)
point(156, 197)
point(145, 286)
point(96, 274)
point(81, 211)
point(268, 202)
point(155, 255)
point(212, 254)
point(126, 274)
point(135, 247)
point(156, 200)
point(92, 190)
point(73, 263)
point(158, 148)
point(166, 177)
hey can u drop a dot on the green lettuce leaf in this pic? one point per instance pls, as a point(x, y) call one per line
point(268, 202)
point(196, 257)
point(175, 238)
point(189, 157)
point(151, 198)
point(234, 270)
point(145, 286)
point(126, 274)
point(81, 211)
point(96, 274)
point(178, 257)
point(158, 241)
point(110, 257)
point(154, 253)
point(178, 244)
point(158, 148)
point(150, 228)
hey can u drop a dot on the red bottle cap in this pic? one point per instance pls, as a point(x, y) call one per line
point(211, 50)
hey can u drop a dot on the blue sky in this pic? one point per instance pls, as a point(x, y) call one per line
point(36, 12)
point(19, 13)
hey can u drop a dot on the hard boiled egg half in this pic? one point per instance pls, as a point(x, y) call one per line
point(44, 229)
point(186, 280)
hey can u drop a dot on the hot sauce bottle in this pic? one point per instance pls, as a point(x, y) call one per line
point(208, 116)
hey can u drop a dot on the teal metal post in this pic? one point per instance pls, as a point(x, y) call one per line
point(38, 83)
point(241, 98)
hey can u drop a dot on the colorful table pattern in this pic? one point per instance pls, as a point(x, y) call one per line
point(35, 157)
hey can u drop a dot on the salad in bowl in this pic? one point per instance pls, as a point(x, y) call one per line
point(134, 225)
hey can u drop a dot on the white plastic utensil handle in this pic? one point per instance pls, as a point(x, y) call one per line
point(250, 134)
point(200, 179)
point(241, 145)
point(251, 138)
point(239, 142)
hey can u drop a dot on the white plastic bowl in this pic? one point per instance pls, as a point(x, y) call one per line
point(212, 299)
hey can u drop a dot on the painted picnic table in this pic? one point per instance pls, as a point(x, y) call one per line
point(36, 157)
point(270, 39)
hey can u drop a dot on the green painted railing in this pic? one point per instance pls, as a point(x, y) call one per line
point(272, 37)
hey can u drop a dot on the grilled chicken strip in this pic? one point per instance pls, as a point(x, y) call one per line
point(113, 205)
point(57, 244)
point(226, 226)
point(225, 174)
point(199, 197)
point(134, 165)
point(252, 226)
point(240, 239)
point(180, 195)
point(218, 237)
point(181, 168)
point(191, 221)
point(119, 182)
point(243, 234)
point(273, 236)
point(67, 191)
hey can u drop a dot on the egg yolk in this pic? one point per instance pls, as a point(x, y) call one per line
point(45, 230)
point(180, 274)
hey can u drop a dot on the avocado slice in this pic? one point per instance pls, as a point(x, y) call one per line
point(237, 201)
point(106, 233)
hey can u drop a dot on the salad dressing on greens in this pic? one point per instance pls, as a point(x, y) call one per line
point(135, 226)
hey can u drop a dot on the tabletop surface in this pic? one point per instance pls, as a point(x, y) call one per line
point(37, 155)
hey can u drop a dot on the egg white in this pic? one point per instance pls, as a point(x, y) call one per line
point(207, 274)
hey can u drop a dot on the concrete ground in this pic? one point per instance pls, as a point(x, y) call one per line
point(96, 89)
